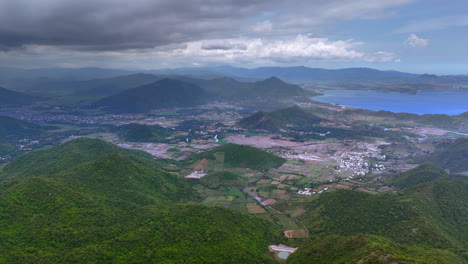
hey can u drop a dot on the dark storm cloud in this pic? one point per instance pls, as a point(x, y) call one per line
point(102, 25)
point(118, 24)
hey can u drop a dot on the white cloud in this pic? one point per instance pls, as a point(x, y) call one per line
point(244, 51)
point(415, 41)
point(300, 49)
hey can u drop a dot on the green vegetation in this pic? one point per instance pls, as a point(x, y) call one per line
point(452, 156)
point(276, 120)
point(241, 156)
point(65, 156)
point(93, 206)
point(425, 223)
point(367, 249)
point(222, 179)
point(143, 133)
point(421, 174)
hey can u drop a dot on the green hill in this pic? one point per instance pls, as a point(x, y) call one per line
point(425, 223)
point(262, 121)
point(165, 93)
point(368, 249)
point(65, 156)
point(274, 121)
point(12, 98)
point(117, 208)
point(143, 133)
point(125, 179)
point(421, 174)
point(241, 156)
point(452, 156)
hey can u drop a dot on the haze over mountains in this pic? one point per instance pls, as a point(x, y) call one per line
point(233, 132)
point(19, 79)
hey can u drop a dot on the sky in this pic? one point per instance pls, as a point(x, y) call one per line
point(418, 36)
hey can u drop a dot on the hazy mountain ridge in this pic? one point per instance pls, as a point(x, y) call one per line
point(21, 79)
point(165, 93)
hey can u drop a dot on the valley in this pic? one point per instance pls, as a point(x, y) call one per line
point(276, 158)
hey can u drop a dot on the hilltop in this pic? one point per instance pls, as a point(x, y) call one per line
point(274, 88)
point(241, 156)
point(143, 133)
point(232, 89)
point(65, 156)
point(165, 93)
point(421, 174)
point(276, 120)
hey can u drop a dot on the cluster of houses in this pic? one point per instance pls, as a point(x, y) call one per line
point(309, 191)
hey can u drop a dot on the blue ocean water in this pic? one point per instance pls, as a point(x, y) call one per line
point(433, 102)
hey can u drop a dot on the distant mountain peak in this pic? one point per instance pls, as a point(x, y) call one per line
point(273, 79)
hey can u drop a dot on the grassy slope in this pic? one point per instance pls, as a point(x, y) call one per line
point(117, 208)
point(423, 173)
point(222, 179)
point(367, 249)
point(427, 217)
point(453, 156)
point(65, 156)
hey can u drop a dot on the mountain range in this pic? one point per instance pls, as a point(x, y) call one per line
point(22, 79)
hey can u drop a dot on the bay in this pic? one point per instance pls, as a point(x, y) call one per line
point(433, 102)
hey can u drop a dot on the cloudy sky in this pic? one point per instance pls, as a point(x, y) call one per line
point(409, 35)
